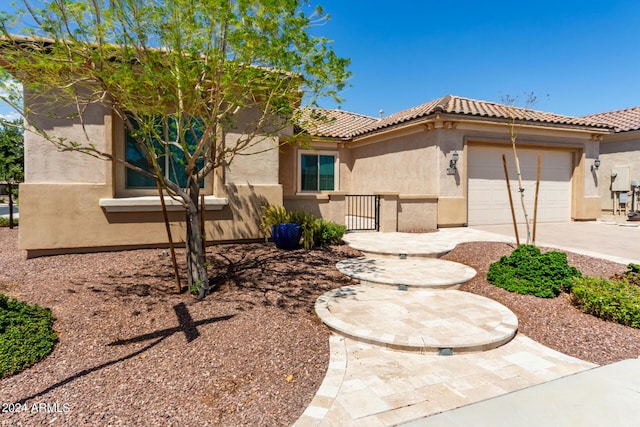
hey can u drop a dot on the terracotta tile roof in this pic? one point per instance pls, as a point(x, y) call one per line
point(621, 120)
point(349, 125)
point(333, 123)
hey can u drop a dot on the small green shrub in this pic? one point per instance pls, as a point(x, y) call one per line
point(4, 221)
point(614, 300)
point(26, 335)
point(530, 272)
point(328, 233)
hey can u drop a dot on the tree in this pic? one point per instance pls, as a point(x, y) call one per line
point(11, 152)
point(192, 67)
point(513, 136)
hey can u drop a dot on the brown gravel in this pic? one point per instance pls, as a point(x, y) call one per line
point(554, 322)
point(133, 352)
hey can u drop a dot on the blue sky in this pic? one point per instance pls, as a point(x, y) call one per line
point(578, 57)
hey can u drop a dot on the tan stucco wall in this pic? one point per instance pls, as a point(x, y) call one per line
point(618, 152)
point(403, 164)
point(417, 213)
point(68, 216)
point(60, 200)
point(46, 163)
point(409, 168)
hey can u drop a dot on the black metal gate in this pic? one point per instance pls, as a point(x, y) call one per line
point(363, 212)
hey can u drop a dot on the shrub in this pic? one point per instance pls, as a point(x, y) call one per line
point(614, 300)
point(26, 335)
point(632, 275)
point(4, 221)
point(328, 233)
point(530, 272)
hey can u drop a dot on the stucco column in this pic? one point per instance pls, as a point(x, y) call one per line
point(337, 209)
point(388, 212)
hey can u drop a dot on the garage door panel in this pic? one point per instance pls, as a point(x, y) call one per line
point(488, 201)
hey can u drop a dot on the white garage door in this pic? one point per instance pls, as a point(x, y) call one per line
point(488, 200)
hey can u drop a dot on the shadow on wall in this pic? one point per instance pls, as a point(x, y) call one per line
point(241, 218)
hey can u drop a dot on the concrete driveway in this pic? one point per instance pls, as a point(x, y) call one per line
point(609, 241)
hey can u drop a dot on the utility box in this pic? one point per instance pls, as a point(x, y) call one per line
point(620, 181)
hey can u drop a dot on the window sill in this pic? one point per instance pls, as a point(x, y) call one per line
point(152, 204)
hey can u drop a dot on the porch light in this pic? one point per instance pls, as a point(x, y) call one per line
point(596, 164)
point(454, 159)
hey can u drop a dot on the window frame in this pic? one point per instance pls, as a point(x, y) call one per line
point(120, 170)
point(336, 169)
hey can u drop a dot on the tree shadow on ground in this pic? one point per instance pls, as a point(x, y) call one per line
point(291, 280)
point(186, 325)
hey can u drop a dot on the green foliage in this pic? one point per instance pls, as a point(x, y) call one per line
point(315, 231)
point(632, 275)
point(26, 335)
point(614, 300)
point(224, 75)
point(11, 152)
point(272, 215)
point(328, 233)
point(527, 271)
point(4, 221)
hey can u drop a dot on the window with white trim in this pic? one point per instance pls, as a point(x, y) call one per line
point(317, 171)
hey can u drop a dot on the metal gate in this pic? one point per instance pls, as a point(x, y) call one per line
point(362, 212)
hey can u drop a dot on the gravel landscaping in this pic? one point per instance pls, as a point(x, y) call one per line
point(132, 351)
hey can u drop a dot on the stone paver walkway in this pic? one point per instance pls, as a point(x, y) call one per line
point(414, 273)
point(371, 382)
point(424, 321)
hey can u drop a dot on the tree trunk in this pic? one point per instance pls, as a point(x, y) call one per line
point(195, 251)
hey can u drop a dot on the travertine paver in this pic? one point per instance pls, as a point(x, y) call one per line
point(382, 387)
point(413, 272)
point(424, 320)
point(418, 245)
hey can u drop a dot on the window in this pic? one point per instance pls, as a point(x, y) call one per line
point(172, 166)
point(318, 171)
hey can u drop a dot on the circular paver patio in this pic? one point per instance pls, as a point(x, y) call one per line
point(420, 320)
point(412, 272)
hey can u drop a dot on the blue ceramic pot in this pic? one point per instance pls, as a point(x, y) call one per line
point(286, 236)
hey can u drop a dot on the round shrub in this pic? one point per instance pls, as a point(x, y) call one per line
point(530, 272)
point(26, 335)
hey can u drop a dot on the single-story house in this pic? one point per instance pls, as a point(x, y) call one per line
point(435, 165)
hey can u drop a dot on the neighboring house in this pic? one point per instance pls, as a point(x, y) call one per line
point(619, 156)
point(407, 159)
point(72, 202)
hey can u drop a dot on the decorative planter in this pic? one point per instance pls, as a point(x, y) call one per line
point(286, 236)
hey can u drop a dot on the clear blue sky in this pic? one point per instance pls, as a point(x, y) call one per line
point(578, 57)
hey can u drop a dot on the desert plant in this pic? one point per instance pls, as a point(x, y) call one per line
point(272, 215)
point(26, 335)
point(614, 300)
point(528, 271)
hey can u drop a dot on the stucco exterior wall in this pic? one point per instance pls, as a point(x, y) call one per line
point(57, 218)
point(621, 154)
point(46, 163)
point(403, 164)
point(60, 201)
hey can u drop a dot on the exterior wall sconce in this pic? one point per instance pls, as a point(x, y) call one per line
point(452, 163)
point(596, 164)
